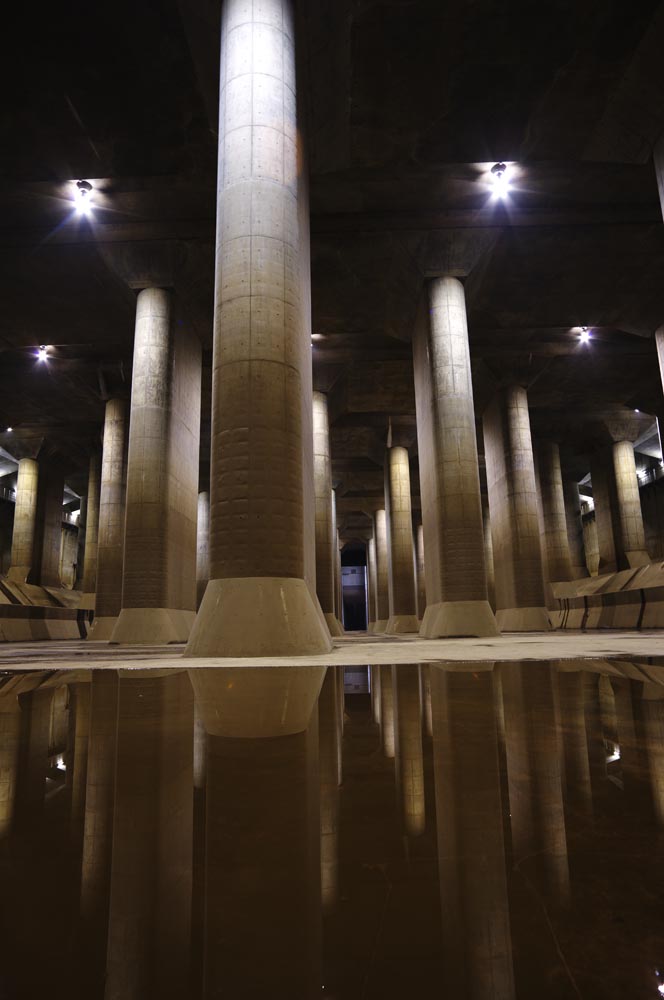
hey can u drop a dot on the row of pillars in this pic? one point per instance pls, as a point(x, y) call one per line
point(269, 519)
point(206, 844)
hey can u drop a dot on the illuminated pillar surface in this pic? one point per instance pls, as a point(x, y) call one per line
point(25, 521)
point(159, 569)
point(49, 527)
point(202, 546)
point(382, 592)
point(556, 540)
point(603, 485)
point(408, 748)
point(329, 747)
point(457, 600)
point(149, 919)
point(477, 949)
point(387, 734)
point(98, 829)
point(630, 541)
point(373, 584)
point(403, 610)
point(534, 779)
point(260, 599)
point(92, 525)
point(110, 543)
point(419, 566)
point(488, 554)
point(520, 599)
point(326, 542)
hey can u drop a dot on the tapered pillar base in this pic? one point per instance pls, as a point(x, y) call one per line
point(259, 616)
point(18, 574)
point(523, 620)
point(398, 624)
point(377, 628)
point(101, 629)
point(458, 618)
point(152, 626)
point(334, 625)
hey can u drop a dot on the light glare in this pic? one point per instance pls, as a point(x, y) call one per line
point(501, 180)
point(585, 335)
point(42, 353)
point(83, 198)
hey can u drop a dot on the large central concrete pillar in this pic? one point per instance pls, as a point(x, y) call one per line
point(382, 590)
point(555, 541)
point(25, 521)
point(510, 470)
point(631, 542)
point(449, 474)
point(326, 542)
point(403, 610)
point(159, 571)
point(110, 544)
point(259, 600)
point(91, 531)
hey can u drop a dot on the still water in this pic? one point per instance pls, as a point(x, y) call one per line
point(451, 830)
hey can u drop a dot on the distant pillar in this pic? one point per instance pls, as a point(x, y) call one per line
point(372, 584)
point(403, 613)
point(555, 540)
point(202, 546)
point(159, 569)
point(382, 571)
point(25, 521)
point(574, 529)
point(631, 541)
point(604, 501)
point(89, 584)
point(111, 522)
point(326, 542)
point(49, 513)
point(451, 501)
point(520, 599)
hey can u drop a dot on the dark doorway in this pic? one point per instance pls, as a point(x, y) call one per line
point(354, 586)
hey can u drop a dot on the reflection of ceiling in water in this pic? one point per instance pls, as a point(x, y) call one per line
point(451, 829)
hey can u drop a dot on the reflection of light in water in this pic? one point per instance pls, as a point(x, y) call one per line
point(60, 763)
point(615, 755)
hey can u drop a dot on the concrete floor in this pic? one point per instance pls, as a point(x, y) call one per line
point(358, 649)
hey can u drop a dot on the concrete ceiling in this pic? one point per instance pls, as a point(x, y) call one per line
point(409, 103)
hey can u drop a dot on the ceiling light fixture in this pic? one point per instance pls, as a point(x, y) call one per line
point(42, 353)
point(9, 430)
point(83, 197)
point(585, 335)
point(501, 181)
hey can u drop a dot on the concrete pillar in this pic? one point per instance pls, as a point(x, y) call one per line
point(202, 546)
point(382, 571)
point(329, 750)
point(159, 570)
point(10, 731)
point(449, 474)
point(25, 521)
point(372, 584)
point(326, 543)
point(262, 921)
point(603, 485)
point(98, 829)
point(594, 735)
point(659, 344)
point(533, 770)
point(420, 571)
point(591, 545)
point(574, 529)
point(477, 949)
point(520, 599)
point(409, 759)
point(80, 543)
point(89, 584)
point(555, 541)
point(577, 786)
point(488, 554)
point(630, 541)
point(260, 600)
point(49, 526)
point(110, 544)
point(403, 613)
point(387, 734)
point(77, 764)
point(150, 903)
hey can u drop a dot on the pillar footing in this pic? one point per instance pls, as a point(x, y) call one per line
point(18, 574)
point(101, 629)
point(152, 626)
point(259, 616)
point(334, 625)
point(377, 628)
point(523, 620)
point(398, 624)
point(448, 619)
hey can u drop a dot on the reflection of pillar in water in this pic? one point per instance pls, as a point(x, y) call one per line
point(386, 710)
point(33, 756)
point(425, 696)
point(634, 766)
point(10, 728)
point(374, 676)
point(149, 920)
point(652, 708)
point(577, 786)
point(594, 736)
point(477, 950)
point(408, 748)
point(77, 769)
point(328, 735)
point(533, 769)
